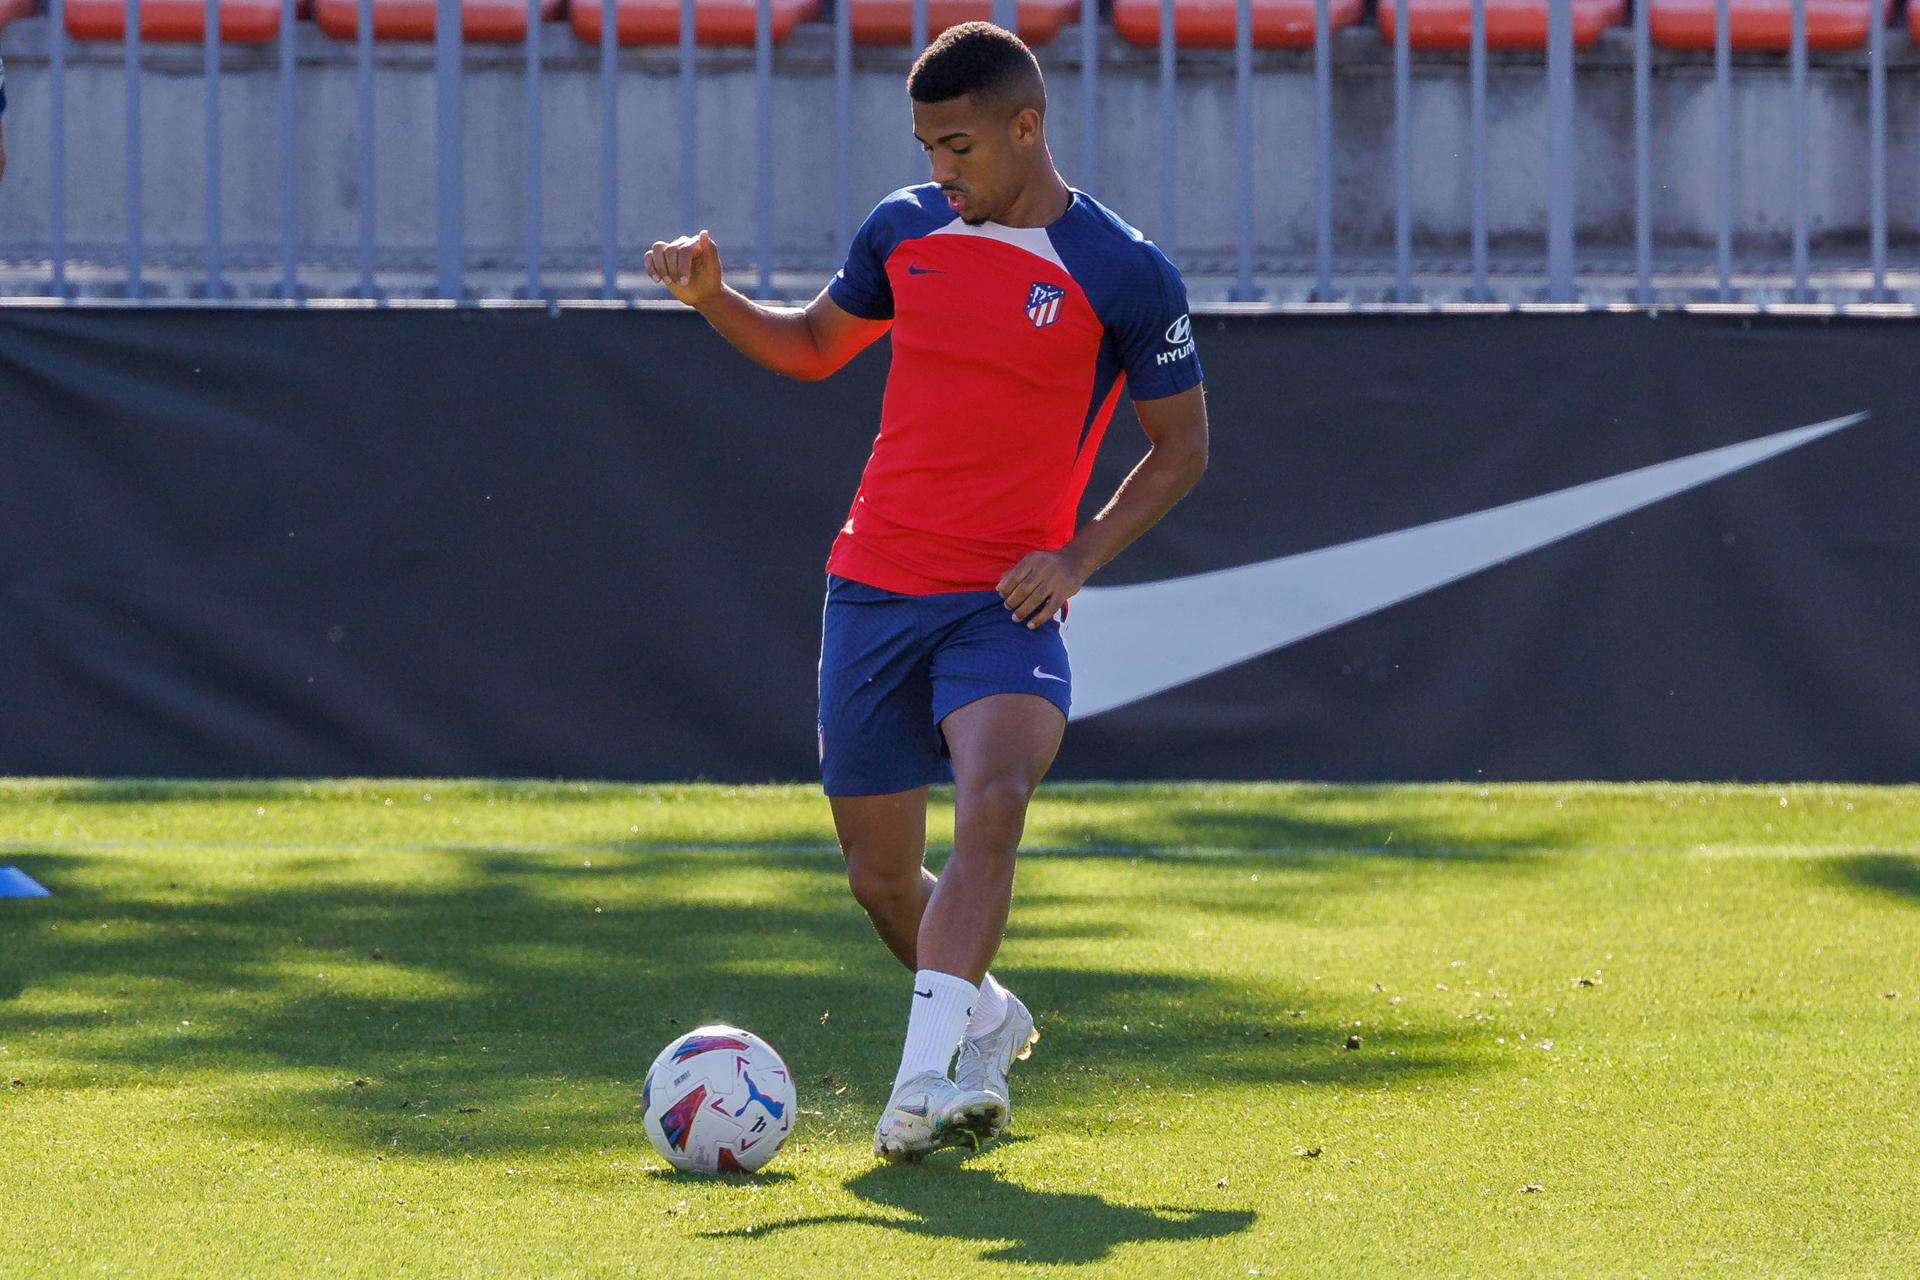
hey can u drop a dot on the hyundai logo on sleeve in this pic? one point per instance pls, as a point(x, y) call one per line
point(1179, 340)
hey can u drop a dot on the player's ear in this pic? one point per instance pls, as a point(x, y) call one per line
point(1025, 127)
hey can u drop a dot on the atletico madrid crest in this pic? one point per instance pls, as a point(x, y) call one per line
point(1043, 303)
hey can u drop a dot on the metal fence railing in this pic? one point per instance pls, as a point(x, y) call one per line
point(1260, 262)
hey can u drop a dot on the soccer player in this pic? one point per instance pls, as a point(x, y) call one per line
point(1018, 308)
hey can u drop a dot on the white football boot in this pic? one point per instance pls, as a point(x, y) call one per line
point(929, 1112)
point(984, 1061)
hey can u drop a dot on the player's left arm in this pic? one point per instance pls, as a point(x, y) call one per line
point(1176, 428)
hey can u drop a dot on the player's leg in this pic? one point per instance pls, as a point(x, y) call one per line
point(1002, 747)
point(1001, 692)
point(1000, 1030)
point(879, 750)
point(884, 841)
point(1001, 721)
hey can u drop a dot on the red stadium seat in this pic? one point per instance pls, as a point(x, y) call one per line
point(1511, 24)
point(481, 21)
point(169, 21)
point(1760, 24)
point(714, 21)
point(891, 21)
point(11, 9)
point(1209, 24)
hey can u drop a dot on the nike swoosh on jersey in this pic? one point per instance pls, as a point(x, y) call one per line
point(1129, 643)
point(1042, 675)
point(914, 270)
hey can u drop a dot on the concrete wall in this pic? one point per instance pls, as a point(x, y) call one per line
point(884, 155)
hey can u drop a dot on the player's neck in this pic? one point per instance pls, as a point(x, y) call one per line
point(1040, 203)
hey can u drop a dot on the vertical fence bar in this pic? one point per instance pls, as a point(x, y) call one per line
point(1560, 150)
point(210, 75)
point(763, 141)
point(1723, 146)
point(131, 64)
point(1243, 290)
point(1877, 149)
point(609, 150)
point(449, 53)
point(289, 168)
point(1090, 95)
point(1168, 238)
point(1402, 155)
point(1477, 147)
point(57, 131)
point(536, 151)
point(1642, 155)
point(918, 34)
point(689, 122)
point(1322, 152)
point(1797, 82)
point(842, 124)
point(363, 95)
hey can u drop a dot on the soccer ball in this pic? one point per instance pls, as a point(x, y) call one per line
point(718, 1100)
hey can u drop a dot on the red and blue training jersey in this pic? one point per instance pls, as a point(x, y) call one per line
point(1010, 347)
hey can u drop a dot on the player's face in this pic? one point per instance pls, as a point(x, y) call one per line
point(980, 152)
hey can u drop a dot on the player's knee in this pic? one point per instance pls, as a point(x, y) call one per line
point(878, 886)
point(1000, 798)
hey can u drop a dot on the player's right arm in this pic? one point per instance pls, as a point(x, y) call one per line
point(806, 343)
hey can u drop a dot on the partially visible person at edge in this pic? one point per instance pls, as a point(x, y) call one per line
point(1018, 308)
point(3, 114)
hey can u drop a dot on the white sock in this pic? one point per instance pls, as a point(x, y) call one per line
point(988, 1008)
point(941, 1004)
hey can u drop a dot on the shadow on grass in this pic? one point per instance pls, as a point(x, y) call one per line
point(485, 1000)
point(1894, 873)
point(148, 791)
point(964, 1202)
point(1068, 819)
point(1301, 820)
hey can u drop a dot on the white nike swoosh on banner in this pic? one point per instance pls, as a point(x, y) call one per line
point(1128, 643)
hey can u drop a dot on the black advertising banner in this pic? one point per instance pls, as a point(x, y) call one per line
point(590, 542)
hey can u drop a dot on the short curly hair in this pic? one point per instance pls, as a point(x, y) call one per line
point(976, 58)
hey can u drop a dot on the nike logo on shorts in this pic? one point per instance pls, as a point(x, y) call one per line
point(928, 994)
point(1038, 674)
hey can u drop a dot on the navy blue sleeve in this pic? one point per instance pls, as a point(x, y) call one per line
point(1152, 333)
point(861, 288)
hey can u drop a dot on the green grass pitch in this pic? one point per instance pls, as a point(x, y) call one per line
point(392, 1029)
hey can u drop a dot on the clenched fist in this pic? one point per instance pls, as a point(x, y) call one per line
point(688, 266)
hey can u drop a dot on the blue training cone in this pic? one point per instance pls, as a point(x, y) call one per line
point(15, 883)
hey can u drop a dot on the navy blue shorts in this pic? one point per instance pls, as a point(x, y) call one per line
point(892, 667)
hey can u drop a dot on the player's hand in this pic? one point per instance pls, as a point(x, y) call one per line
point(688, 266)
point(1035, 588)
